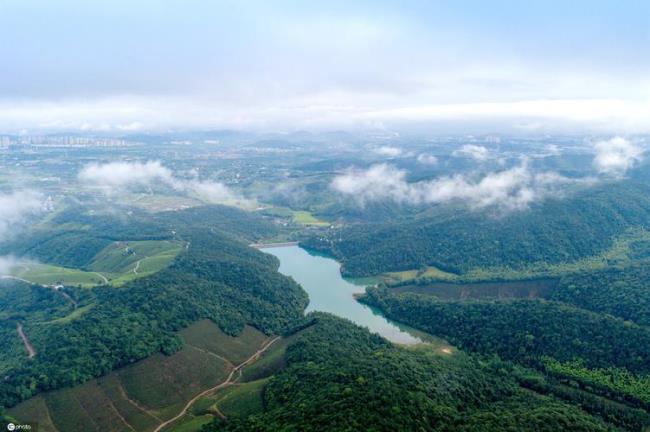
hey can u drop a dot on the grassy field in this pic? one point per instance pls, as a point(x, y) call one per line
point(204, 335)
point(301, 217)
point(140, 396)
point(191, 423)
point(121, 257)
point(241, 400)
point(270, 363)
point(163, 384)
point(306, 218)
point(116, 264)
point(125, 261)
point(46, 274)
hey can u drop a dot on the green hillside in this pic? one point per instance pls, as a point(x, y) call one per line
point(340, 377)
point(214, 275)
point(116, 264)
point(554, 232)
point(141, 396)
point(603, 355)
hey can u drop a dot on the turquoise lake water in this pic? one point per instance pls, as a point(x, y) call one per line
point(328, 291)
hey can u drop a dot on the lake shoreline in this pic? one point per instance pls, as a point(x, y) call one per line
point(320, 276)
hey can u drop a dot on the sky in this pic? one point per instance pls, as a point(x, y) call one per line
point(534, 66)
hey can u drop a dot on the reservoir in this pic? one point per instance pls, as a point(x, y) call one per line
point(329, 292)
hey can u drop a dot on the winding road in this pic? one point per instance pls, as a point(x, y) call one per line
point(229, 381)
point(16, 278)
point(56, 288)
point(101, 276)
point(137, 265)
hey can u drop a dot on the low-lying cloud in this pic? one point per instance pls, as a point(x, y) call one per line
point(15, 207)
point(9, 263)
point(427, 159)
point(388, 151)
point(616, 156)
point(512, 189)
point(473, 151)
point(115, 177)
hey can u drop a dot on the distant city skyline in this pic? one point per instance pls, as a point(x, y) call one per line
point(500, 66)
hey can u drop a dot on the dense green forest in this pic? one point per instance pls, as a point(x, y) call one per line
point(607, 354)
point(579, 359)
point(524, 330)
point(622, 292)
point(217, 277)
point(340, 377)
point(552, 232)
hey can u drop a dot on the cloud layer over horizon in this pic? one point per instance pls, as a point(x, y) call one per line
point(124, 66)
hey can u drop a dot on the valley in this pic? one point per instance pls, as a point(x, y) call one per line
point(268, 311)
point(328, 292)
point(335, 216)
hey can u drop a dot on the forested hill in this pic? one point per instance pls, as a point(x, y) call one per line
point(622, 292)
point(248, 226)
point(73, 236)
point(340, 377)
point(593, 352)
point(217, 277)
point(555, 231)
point(524, 330)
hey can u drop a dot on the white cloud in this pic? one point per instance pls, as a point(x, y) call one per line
point(512, 189)
point(325, 110)
point(427, 159)
point(8, 263)
point(476, 152)
point(208, 191)
point(616, 156)
point(115, 177)
point(15, 207)
point(553, 150)
point(378, 182)
point(388, 151)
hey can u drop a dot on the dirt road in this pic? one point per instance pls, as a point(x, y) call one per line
point(28, 346)
point(137, 266)
point(226, 383)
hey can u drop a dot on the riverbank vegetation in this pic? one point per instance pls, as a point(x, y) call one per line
point(578, 350)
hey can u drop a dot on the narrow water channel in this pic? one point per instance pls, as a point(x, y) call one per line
point(329, 292)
